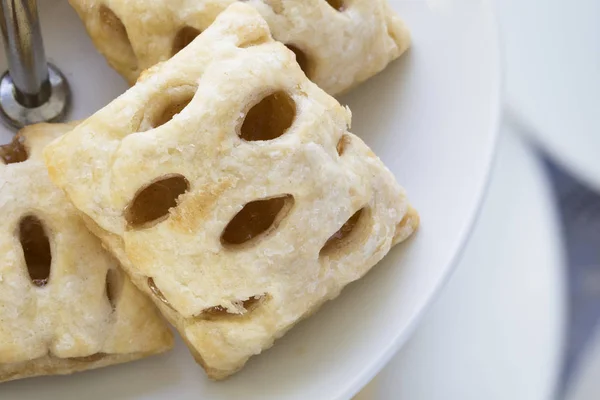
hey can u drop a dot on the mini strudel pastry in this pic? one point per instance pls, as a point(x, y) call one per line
point(231, 190)
point(338, 43)
point(65, 305)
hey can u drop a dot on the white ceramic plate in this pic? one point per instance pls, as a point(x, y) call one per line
point(585, 384)
point(432, 117)
point(496, 331)
point(553, 77)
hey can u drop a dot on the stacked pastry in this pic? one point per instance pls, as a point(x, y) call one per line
point(225, 184)
point(65, 304)
point(338, 43)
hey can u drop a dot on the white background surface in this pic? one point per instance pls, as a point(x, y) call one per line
point(552, 51)
point(432, 117)
point(586, 384)
point(496, 331)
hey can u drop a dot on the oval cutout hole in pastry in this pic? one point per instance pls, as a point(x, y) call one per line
point(184, 37)
point(165, 106)
point(36, 249)
point(152, 203)
point(14, 152)
point(252, 43)
point(301, 59)
point(344, 236)
point(115, 32)
point(248, 306)
point(270, 118)
point(254, 40)
point(90, 358)
point(255, 219)
point(337, 4)
point(343, 143)
point(157, 293)
point(114, 285)
point(171, 110)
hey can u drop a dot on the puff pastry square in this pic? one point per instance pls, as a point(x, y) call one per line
point(339, 43)
point(65, 305)
point(230, 188)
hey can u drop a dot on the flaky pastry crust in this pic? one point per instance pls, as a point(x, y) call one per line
point(66, 321)
point(339, 43)
point(263, 226)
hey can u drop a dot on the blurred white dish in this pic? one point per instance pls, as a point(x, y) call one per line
point(553, 77)
point(432, 117)
point(585, 384)
point(496, 330)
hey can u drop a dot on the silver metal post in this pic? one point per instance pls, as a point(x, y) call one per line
point(32, 90)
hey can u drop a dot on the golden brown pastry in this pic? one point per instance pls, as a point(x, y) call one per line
point(230, 188)
point(65, 305)
point(338, 43)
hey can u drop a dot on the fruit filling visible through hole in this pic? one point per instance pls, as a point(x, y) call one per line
point(36, 249)
point(256, 218)
point(343, 236)
point(152, 204)
point(14, 152)
point(114, 31)
point(270, 118)
point(337, 4)
point(170, 111)
point(246, 306)
point(301, 59)
point(343, 143)
point(185, 36)
point(89, 359)
point(156, 292)
point(114, 285)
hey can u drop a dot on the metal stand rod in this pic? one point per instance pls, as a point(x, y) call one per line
point(24, 48)
point(32, 90)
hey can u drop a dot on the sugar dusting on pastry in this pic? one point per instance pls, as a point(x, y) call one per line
point(306, 216)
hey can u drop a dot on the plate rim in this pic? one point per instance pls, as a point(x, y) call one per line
point(498, 96)
point(559, 270)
